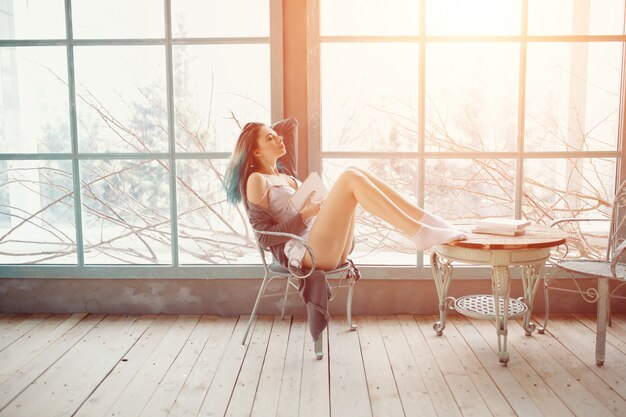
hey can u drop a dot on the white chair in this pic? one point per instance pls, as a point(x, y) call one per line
point(611, 267)
point(275, 270)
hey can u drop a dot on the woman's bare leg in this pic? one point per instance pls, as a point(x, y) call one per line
point(332, 226)
point(405, 205)
point(349, 239)
point(333, 223)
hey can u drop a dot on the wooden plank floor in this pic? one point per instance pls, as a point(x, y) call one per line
point(157, 365)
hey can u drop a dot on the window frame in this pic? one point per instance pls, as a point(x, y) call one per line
point(173, 269)
point(520, 155)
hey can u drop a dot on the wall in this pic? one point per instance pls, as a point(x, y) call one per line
point(236, 296)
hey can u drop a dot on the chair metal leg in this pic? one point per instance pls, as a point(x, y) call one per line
point(608, 307)
point(256, 305)
point(282, 312)
point(603, 295)
point(611, 296)
point(349, 305)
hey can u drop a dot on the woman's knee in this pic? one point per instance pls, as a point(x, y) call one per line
point(357, 169)
point(351, 175)
point(365, 173)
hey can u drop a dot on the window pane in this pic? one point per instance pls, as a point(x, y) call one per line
point(471, 97)
point(34, 100)
point(377, 242)
point(464, 190)
point(476, 17)
point(572, 96)
point(575, 17)
point(217, 18)
point(121, 99)
point(366, 105)
point(32, 19)
point(37, 212)
point(215, 89)
point(210, 230)
point(369, 17)
point(561, 188)
point(114, 19)
point(126, 212)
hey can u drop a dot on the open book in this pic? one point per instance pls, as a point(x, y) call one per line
point(312, 183)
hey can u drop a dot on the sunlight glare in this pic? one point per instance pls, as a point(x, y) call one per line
point(462, 17)
point(369, 17)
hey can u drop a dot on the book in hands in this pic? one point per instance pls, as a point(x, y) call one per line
point(312, 183)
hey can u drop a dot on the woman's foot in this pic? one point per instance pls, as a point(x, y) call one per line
point(429, 236)
point(435, 221)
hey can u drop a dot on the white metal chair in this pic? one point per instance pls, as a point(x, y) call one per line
point(611, 267)
point(275, 270)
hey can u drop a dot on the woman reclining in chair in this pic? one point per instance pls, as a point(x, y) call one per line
point(328, 226)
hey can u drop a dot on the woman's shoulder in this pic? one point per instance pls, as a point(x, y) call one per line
point(256, 188)
point(256, 177)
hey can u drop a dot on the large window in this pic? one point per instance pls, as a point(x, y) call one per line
point(116, 119)
point(473, 109)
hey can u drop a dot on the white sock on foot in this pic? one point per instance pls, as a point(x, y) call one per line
point(435, 221)
point(429, 236)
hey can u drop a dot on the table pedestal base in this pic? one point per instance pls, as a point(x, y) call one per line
point(486, 306)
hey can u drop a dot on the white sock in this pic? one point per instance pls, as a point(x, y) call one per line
point(429, 236)
point(435, 221)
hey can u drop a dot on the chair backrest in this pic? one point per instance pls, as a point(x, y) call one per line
point(617, 232)
point(262, 251)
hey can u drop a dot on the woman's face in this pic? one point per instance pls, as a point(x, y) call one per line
point(270, 146)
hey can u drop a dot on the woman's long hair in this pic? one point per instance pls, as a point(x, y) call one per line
point(242, 164)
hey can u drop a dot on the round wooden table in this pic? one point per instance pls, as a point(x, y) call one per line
point(528, 251)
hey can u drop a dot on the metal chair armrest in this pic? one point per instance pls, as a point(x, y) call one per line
point(575, 219)
point(558, 222)
point(301, 240)
point(615, 258)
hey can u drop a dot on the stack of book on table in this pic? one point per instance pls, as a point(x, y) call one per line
point(504, 227)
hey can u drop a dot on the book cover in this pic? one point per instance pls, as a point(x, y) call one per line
point(312, 183)
point(503, 224)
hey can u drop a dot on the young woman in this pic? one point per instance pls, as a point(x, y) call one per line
point(254, 177)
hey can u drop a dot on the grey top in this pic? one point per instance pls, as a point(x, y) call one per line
point(279, 194)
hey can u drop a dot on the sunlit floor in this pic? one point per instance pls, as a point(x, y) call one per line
point(115, 365)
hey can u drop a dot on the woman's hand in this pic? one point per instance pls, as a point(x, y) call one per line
point(311, 208)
